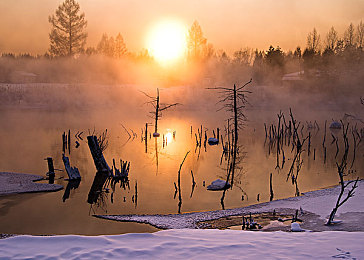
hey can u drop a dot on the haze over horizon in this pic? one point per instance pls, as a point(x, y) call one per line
point(228, 25)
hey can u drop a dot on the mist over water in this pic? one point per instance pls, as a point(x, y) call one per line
point(34, 116)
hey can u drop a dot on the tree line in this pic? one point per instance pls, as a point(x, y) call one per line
point(68, 38)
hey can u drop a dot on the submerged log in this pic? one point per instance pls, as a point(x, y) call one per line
point(73, 172)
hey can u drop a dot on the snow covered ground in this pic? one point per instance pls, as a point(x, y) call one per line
point(218, 244)
point(11, 183)
point(319, 202)
point(189, 244)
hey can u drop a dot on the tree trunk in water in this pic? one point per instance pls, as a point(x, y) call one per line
point(97, 156)
point(156, 113)
point(235, 137)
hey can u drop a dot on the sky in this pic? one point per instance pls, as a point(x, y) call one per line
point(228, 24)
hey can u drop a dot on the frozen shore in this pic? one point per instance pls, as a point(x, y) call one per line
point(13, 183)
point(183, 241)
point(319, 203)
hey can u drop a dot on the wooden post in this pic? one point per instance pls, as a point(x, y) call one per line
point(51, 173)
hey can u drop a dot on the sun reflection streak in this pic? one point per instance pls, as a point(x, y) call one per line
point(169, 137)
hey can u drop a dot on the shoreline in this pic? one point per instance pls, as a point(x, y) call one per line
point(315, 205)
point(18, 183)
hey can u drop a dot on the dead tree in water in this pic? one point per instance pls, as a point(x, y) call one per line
point(234, 101)
point(96, 152)
point(341, 169)
point(159, 108)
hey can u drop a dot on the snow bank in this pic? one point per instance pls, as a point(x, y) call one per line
point(320, 202)
point(188, 244)
point(11, 182)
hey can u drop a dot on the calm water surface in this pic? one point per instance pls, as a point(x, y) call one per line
point(28, 135)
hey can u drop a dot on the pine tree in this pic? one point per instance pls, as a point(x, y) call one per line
point(195, 40)
point(120, 46)
point(103, 45)
point(67, 36)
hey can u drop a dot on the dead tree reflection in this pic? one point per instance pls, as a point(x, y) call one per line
point(104, 175)
point(178, 186)
point(233, 100)
point(71, 185)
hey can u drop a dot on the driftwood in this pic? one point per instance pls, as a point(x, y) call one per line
point(73, 172)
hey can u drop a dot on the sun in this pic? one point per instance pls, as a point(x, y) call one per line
point(167, 41)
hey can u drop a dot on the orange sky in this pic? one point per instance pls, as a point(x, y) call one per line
point(227, 24)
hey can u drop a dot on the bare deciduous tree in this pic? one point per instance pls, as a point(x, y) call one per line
point(243, 56)
point(67, 36)
point(313, 41)
point(349, 36)
point(331, 39)
point(234, 101)
point(360, 34)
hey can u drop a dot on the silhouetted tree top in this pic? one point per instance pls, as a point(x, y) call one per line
point(111, 47)
point(297, 53)
point(120, 46)
point(349, 36)
point(274, 57)
point(331, 39)
point(67, 36)
point(313, 41)
point(243, 56)
point(360, 35)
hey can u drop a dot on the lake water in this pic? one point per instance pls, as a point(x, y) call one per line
point(32, 130)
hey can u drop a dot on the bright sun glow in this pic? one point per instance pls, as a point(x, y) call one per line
point(167, 41)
